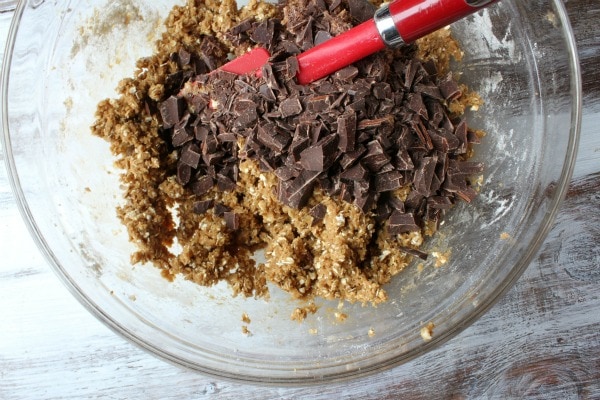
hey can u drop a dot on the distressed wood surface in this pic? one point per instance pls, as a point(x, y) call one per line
point(542, 340)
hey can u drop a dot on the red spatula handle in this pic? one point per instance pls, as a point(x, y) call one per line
point(414, 19)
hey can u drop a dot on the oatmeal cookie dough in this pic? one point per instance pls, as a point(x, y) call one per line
point(328, 247)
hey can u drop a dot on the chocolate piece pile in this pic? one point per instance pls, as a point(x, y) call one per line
point(361, 134)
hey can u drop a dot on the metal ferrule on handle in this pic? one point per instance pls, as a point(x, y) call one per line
point(404, 21)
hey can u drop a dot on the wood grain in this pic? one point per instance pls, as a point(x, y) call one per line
point(540, 341)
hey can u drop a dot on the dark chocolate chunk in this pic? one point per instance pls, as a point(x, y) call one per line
point(191, 156)
point(263, 33)
point(286, 172)
point(295, 193)
point(355, 173)
point(272, 137)
point(171, 110)
point(319, 104)
point(424, 175)
point(232, 220)
point(416, 104)
point(388, 181)
point(320, 156)
point(318, 212)
point(290, 107)
point(430, 90)
point(242, 27)
point(361, 10)
point(375, 157)
point(180, 137)
point(399, 223)
point(414, 252)
point(201, 207)
point(202, 185)
point(184, 173)
point(347, 132)
point(346, 74)
point(449, 88)
point(220, 209)
point(321, 36)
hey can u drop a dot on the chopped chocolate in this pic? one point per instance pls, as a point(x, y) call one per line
point(220, 209)
point(449, 88)
point(400, 222)
point(318, 212)
point(414, 252)
point(191, 156)
point(389, 181)
point(171, 110)
point(320, 156)
point(295, 193)
point(322, 36)
point(184, 173)
point(202, 185)
point(361, 10)
point(290, 107)
point(202, 206)
point(263, 33)
point(232, 220)
point(346, 129)
point(346, 74)
point(355, 173)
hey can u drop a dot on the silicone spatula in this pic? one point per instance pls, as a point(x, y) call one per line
point(394, 24)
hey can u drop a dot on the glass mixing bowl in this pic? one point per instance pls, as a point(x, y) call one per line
point(64, 57)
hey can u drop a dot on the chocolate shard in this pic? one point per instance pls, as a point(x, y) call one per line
point(388, 181)
point(460, 131)
point(319, 104)
point(402, 161)
point(350, 158)
point(202, 185)
point(242, 27)
point(295, 193)
point(363, 197)
point(184, 173)
point(201, 207)
point(292, 67)
point(429, 90)
point(423, 176)
point(346, 74)
point(191, 156)
point(232, 220)
point(399, 223)
point(346, 129)
point(449, 88)
point(180, 137)
point(439, 202)
point(290, 107)
point(245, 112)
point(264, 32)
point(286, 172)
point(273, 138)
point(376, 122)
point(375, 157)
point(416, 104)
point(220, 209)
point(321, 36)
point(171, 111)
point(414, 252)
point(267, 93)
point(320, 156)
point(318, 213)
point(355, 173)
point(225, 183)
point(361, 10)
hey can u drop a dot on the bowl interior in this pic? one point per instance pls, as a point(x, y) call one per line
point(64, 57)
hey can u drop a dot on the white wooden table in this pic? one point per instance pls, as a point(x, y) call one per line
point(542, 340)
